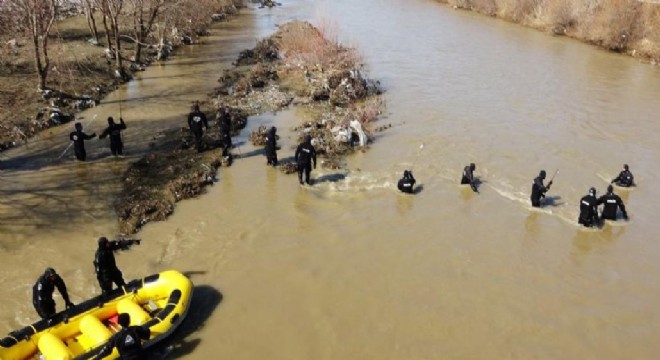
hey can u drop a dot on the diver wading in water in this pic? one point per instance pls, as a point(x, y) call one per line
point(538, 189)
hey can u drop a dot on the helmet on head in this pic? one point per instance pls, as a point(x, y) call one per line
point(472, 166)
point(103, 241)
point(124, 319)
point(610, 189)
point(592, 191)
point(625, 167)
point(542, 174)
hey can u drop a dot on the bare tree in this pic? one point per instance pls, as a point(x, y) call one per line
point(145, 14)
point(88, 6)
point(112, 10)
point(36, 18)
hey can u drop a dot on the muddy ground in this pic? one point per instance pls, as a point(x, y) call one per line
point(81, 75)
point(296, 66)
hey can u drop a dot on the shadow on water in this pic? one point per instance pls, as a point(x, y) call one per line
point(330, 178)
point(204, 301)
point(552, 201)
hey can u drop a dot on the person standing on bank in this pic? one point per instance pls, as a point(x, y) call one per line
point(625, 178)
point(42, 293)
point(105, 265)
point(468, 177)
point(271, 146)
point(197, 122)
point(589, 209)
point(611, 204)
point(78, 137)
point(225, 130)
point(539, 190)
point(114, 131)
point(305, 154)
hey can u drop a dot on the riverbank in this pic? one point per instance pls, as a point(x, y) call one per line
point(80, 76)
point(296, 66)
point(626, 26)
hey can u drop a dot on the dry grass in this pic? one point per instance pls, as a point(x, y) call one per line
point(302, 44)
point(630, 26)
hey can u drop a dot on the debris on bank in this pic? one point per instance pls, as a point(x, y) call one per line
point(295, 66)
point(298, 66)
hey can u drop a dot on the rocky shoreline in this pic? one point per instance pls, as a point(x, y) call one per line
point(296, 66)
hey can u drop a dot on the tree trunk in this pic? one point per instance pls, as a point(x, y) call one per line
point(107, 31)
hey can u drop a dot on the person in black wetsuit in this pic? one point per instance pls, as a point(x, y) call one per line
point(305, 154)
point(197, 122)
point(625, 178)
point(78, 137)
point(42, 293)
point(128, 340)
point(611, 203)
point(468, 177)
point(539, 190)
point(224, 118)
point(105, 265)
point(271, 146)
point(114, 131)
point(589, 209)
point(407, 182)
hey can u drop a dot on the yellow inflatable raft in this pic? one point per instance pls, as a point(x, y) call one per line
point(159, 302)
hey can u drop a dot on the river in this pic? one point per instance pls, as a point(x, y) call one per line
point(350, 268)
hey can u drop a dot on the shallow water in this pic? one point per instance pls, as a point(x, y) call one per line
point(350, 268)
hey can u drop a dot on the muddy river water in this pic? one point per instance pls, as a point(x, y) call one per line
point(350, 268)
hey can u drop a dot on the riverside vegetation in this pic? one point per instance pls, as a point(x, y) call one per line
point(625, 26)
point(75, 52)
point(299, 65)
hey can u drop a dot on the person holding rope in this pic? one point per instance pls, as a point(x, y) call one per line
point(538, 189)
point(78, 137)
point(114, 131)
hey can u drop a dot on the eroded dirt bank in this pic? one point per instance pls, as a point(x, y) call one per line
point(626, 26)
point(296, 66)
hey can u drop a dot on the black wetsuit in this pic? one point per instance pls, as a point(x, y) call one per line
point(305, 154)
point(114, 131)
point(468, 178)
point(271, 148)
point(225, 133)
point(588, 211)
point(42, 294)
point(197, 122)
point(625, 179)
point(78, 137)
point(611, 203)
point(128, 342)
point(407, 183)
point(538, 191)
point(106, 268)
